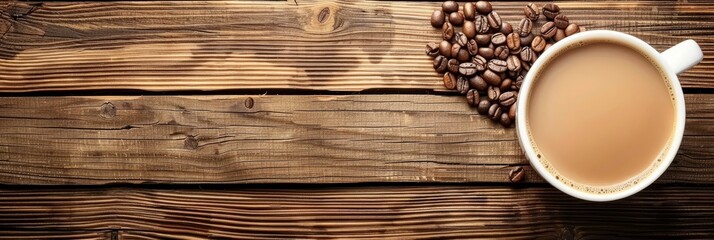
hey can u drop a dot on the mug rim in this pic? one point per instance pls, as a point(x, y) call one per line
point(630, 41)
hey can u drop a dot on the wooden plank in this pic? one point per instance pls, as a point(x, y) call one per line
point(70, 235)
point(388, 212)
point(197, 45)
point(281, 139)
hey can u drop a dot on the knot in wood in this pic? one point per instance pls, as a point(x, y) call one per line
point(190, 143)
point(107, 110)
point(323, 15)
point(249, 103)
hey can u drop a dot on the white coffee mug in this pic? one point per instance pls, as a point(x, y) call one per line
point(673, 61)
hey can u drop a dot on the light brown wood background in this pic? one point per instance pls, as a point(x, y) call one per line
point(140, 107)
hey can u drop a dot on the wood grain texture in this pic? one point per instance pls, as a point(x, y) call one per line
point(387, 212)
point(281, 139)
point(196, 45)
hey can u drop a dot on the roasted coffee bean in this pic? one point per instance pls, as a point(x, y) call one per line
point(440, 64)
point(572, 29)
point(498, 38)
point(450, 6)
point(495, 112)
point(469, 29)
point(463, 55)
point(492, 78)
point(513, 63)
point(518, 83)
point(452, 66)
point(506, 84)
point(455, 48)
point(531, 11)
point(467, 68)
point(548, 29)
point(456, 18)
point(483, 107)
point(526, 66)
point(481, 24)
point(534, 58)
point(559, 35)
point(494, 20)
point(472, 97)
point(505, 120)
point(483, 39)
point(449, 81)
point(506, 28)
point(513, 74)
point(525, 27)
point(550, 10)
point(437, 18)
point(469, 10)
point(527, 40)
point(561, 21)
point(447, 31)
point(432, 49)
point(493, 92)
point(445, 48)
point(527, 54)
point(538, 44)
point(478, 83)
point(513, 41)
point(480, 62)
point(472, 47)
point(461, 38)
point(517, 175)
point(497, 65)
point(507, 99)
point(512, 112)
point(502, 52)
point(486, 52)
point(483, 7)
point(462, 85)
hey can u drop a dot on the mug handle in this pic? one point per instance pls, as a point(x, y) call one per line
point(683, 56)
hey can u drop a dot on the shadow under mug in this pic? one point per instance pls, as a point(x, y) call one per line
point(672, 62)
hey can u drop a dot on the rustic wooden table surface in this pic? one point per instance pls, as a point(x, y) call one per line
point(299, 119)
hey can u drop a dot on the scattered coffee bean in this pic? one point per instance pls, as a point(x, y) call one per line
point(462, 85)
point(495, 112)
point(463, 55)
point(506, 85)
point(531, 11)
point(486, 52)
point(450, 6)
point(472, 98)
point(513, 41)
point(516, 175)
point(525, 27)
point(538, 44)
point(506, 28)
point(492, 78)
point(440, 64)
point(480, 62)
point(455, 48)
point(456, 18)
point(497, 65)
point(525, 65)
point(513, 63)
point(472, 47)
point(572, 29)
point(548, 29)
point(561, 21)
point(453, 66)
point(507, 99)
point(527, 40)
point(467, 69)
point(478, 83)
point(469, 29)
point(492, 93)
point(527, 54)
point(559, 35)
point(483, 39)
point(483, 107)
point(513, 74)
point(447, 31)
point(432, 49)
point(481, 24)
point(469, 10)
point(512, 112)
point(494, 20)
point(498, 38)
point(483, 7)
point(550, 10)
point(502, 52)
point(461, 38)
point(449, 81)
point(505, 120)
point(437, 18)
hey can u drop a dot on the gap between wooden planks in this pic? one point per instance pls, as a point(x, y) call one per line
point(281, 139)
point(374, 212)
point(216, 45)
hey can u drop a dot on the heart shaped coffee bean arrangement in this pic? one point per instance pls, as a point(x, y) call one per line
point(488, 59)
